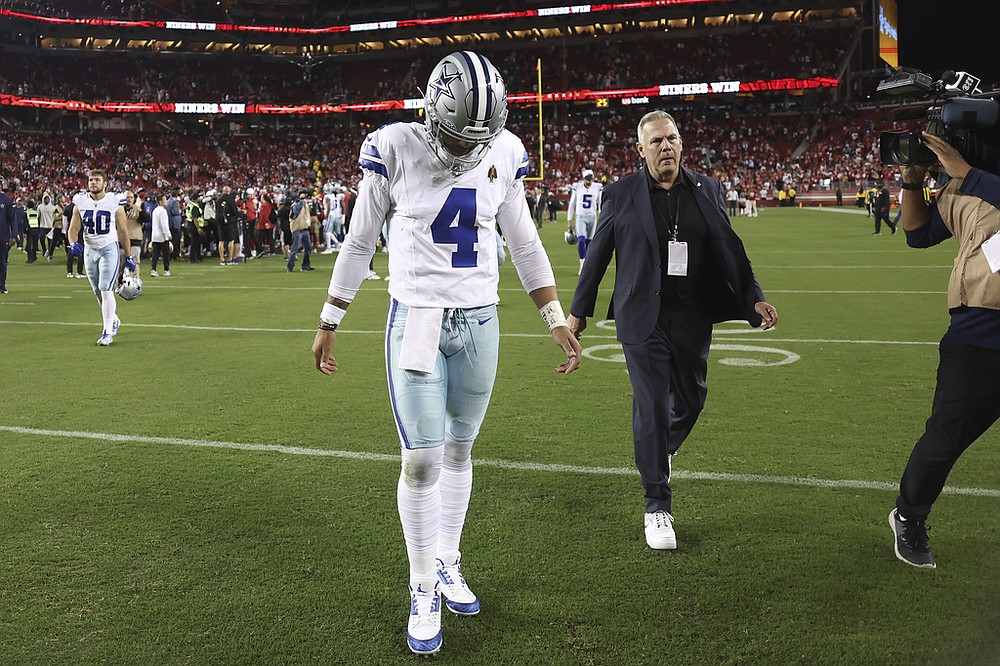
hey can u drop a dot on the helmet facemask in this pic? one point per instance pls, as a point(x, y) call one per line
point(465, 106)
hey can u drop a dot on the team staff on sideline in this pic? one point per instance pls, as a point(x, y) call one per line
point(441, 187)
point(967, 396)
point(105, 237)
point(680, 268)
point(135, 216)
point(162, 245)
point(8, 234)
point(881, 207)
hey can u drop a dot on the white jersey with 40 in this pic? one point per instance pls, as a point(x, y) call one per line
point(98, 218)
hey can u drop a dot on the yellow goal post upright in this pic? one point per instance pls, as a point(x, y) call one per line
point(541, 138)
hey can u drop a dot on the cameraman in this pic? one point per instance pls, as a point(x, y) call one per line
point(967, 396)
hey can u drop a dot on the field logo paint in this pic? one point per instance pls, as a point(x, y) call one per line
point(749, 359)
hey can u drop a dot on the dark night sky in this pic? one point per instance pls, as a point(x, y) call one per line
point(937, 35)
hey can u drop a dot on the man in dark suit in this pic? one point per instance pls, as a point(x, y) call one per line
point(680, 268)
point(882, 206)
point(7, 234)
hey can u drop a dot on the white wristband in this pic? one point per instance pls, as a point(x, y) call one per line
point(331, 314)
point(553, 315)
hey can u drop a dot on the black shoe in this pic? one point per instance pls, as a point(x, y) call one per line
point(290, 270)
point(308, 268)
point(894, 231)
point(911, 541)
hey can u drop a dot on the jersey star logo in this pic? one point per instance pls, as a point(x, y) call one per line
point(442, 85)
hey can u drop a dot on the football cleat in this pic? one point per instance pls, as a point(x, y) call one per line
point(105, 340)
point(459, 599)
point(423, 629)
point(114, 326)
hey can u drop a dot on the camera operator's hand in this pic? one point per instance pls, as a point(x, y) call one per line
point(951, 161)
point(913, 173)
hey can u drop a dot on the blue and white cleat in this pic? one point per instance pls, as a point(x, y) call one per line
point(114, 327)
point(458, 597)
point(105, 340)
point(423, 630)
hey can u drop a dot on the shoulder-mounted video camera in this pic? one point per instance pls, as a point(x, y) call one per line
point(955, 109)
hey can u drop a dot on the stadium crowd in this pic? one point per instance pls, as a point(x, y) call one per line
point(161, 77)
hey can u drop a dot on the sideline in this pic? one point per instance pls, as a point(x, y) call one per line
point(801, 481)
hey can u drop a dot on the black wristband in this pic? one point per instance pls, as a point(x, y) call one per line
point(327, 326)
point(912, 186)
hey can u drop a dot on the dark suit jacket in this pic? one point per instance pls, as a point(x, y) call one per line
point(7, 228)
point(883, 202)
point(626, 229)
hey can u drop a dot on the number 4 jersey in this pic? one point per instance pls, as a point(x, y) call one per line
point(441, 226)
point(98, 218)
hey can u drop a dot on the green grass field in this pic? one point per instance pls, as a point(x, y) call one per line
point(198, 493)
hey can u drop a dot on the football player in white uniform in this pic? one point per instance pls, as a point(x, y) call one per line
point(333, 214)
point(105, 237)
point(585, 205)
point(440, 187)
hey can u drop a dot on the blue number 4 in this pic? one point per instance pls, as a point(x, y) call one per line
point(461, 204)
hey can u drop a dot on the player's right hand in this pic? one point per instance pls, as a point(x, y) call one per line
point(76, 249)
point(130, 264)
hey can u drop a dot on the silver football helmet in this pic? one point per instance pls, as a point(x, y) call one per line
point(570, 237)
point(131, 286)
point(465, 109)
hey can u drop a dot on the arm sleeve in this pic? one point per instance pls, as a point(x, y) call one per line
point(571, 206)
point(984, 185)
point(371, 210)
point(526, 250)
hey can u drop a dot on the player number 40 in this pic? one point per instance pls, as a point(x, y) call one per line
point(97, 224)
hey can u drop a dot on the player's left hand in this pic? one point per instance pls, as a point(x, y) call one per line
point(565, 339)
point(130, 264)
point(322, 346)
point(769, 314)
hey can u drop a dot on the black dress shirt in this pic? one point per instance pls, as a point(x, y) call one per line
point(678, 218)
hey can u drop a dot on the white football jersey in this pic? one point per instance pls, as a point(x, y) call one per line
point(334, 203)
point(98, 217)
point(585, 201)
point(441, 226)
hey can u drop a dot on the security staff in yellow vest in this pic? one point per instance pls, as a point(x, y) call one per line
point(195, 227)
point(32, 230)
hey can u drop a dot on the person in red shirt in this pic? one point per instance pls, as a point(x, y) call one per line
point(264, 223)
point(250, 207)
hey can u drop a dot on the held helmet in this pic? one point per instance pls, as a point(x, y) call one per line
point(131, 287)
point(570, 237)
point(465, 109)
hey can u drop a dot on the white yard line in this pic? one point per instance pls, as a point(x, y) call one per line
point(803, 481)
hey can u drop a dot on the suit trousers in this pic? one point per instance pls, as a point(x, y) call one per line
point(966, 404)
point(668, 372)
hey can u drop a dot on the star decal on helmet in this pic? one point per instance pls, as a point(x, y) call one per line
point(442, 85)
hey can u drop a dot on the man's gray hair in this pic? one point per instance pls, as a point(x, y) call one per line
point(650, 117)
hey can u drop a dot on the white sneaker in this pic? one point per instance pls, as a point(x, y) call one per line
point(69, 275)
point(105, 340)
point(114, 327)
point(459, 599)
point(372, 275)
point(423, 630)
point(660, 531)
point(153, 274)
point(166, 273)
